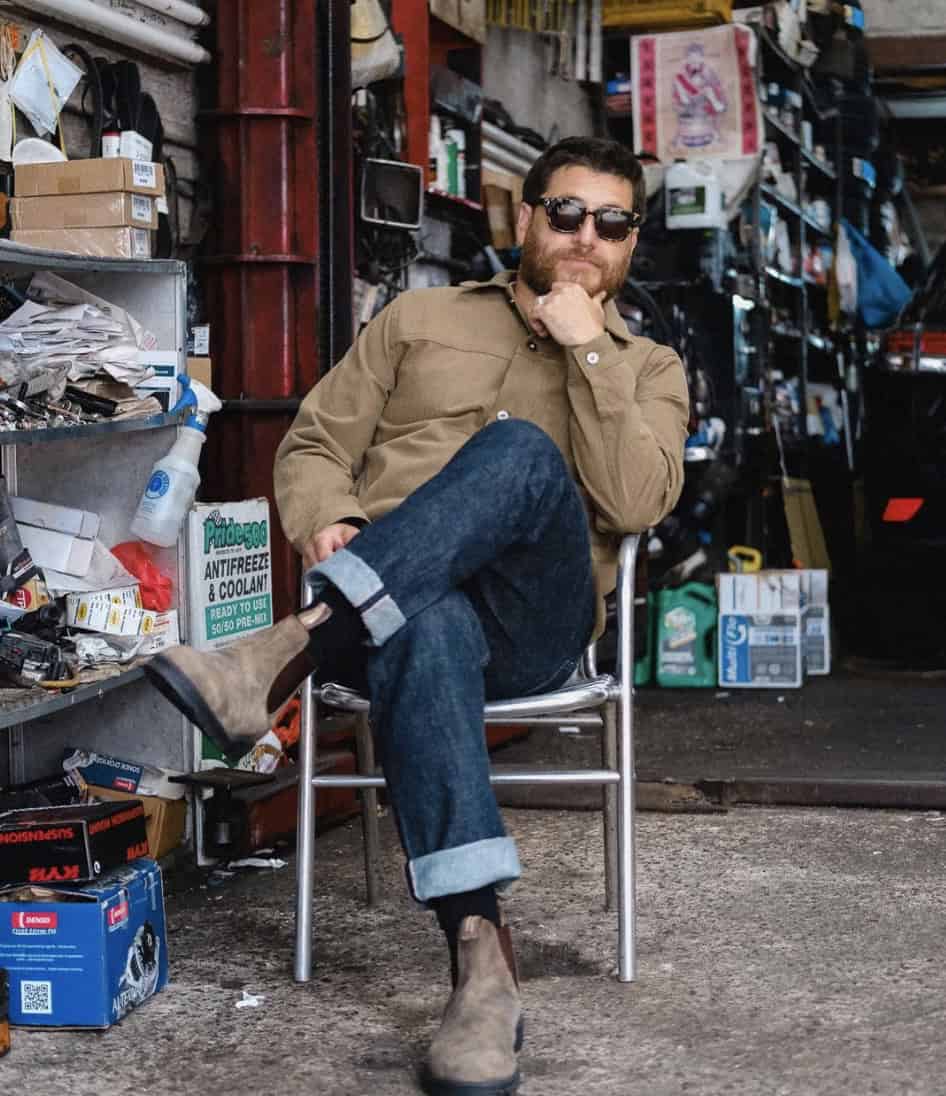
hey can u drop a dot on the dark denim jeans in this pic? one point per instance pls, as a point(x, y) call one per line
point(477, 586)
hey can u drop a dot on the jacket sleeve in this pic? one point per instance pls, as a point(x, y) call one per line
point(318, 461)
point(630, 408)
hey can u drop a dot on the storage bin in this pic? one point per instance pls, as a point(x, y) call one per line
point(665, 14)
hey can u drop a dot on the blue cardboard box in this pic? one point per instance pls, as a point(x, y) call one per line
point(84, 956)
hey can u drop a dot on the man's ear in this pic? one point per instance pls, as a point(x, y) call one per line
point(523, 221)
point(635, 232)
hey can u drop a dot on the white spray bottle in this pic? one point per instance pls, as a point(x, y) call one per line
point(174, 479)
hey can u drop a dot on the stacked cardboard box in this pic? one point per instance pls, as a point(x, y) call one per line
point(774, 628)
point(103, 208)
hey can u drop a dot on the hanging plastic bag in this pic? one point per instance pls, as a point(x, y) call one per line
point(375, 55)
point(43, 81)
point(845, 274)
point(881, 292)
point(156, 587)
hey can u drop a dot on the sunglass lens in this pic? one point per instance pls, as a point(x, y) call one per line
point(566, 215)
point(612, 224)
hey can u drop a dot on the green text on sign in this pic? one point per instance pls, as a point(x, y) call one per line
point(230, 618)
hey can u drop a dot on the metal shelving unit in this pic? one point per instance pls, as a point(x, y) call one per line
point(808, 297)
point(102, 467)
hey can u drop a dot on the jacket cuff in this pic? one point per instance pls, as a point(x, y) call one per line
point(600, 353)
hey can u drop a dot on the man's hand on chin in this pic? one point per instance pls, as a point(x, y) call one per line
point(568, 314)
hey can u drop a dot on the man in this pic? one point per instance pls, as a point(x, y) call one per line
point(457, 486)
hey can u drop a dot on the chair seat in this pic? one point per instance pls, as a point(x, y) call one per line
point(576, 696)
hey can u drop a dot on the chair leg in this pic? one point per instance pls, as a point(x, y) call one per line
point(305, 837)
point(609, 796)
point(364, 750)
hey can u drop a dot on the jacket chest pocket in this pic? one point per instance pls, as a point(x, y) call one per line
point(435, 381)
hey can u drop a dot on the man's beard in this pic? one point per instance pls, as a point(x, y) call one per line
point(537, 269)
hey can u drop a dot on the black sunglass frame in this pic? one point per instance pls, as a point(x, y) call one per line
point(634, 218)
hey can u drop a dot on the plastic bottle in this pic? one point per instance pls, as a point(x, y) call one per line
point(174, 479)
point(686, 636)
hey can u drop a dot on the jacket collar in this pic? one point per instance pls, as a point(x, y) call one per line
point(613, 322)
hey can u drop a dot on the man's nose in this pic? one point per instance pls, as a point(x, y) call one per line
point(587, 233)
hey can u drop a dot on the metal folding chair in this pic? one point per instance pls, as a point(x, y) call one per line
point(595, 700)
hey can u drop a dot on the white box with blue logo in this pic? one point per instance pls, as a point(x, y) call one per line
point(759, 642)
point(84, 956)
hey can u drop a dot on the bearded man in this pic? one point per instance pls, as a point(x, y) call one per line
point(457, 487)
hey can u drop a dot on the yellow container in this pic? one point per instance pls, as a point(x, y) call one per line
point(665, 14)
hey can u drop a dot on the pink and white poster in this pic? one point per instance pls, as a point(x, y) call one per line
point(694, 94)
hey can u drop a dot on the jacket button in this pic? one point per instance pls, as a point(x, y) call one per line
point(532, 345)
point(502, 415)
point(592, 357)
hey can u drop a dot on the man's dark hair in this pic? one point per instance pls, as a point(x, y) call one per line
point(595, 153)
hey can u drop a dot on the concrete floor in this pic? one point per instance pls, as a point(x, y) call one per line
point(782, 951)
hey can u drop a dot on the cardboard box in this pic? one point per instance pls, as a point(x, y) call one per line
point(84, 956)
point(123, 776)
point(759, 639)
point(70, 844)
point(816, 622)
point(200, 369)
point(107, 210)
point(63, 519)
point(165, 819)
point(113, 612)
point(89, 177)
point(95, 243)
point(229, 568)
point(59, 551)
point(164, 384)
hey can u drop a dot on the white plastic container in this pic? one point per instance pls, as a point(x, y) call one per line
point(172, 485)
point(694, 196)
point(171, 489)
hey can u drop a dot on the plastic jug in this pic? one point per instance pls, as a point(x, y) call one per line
point(686, 636)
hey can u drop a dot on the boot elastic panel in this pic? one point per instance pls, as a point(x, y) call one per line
point(177, 687)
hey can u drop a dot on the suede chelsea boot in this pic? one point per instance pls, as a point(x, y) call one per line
point(474, 1052)
point(234, 694)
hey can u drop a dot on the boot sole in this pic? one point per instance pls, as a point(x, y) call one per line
point(176, 686)
point(436, 1086)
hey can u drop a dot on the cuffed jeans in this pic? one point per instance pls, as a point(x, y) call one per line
point(478, 586)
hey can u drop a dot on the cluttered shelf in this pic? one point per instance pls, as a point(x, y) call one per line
point(87, 430)
point(17, 258)
point(792, 207)
point(791, 135)
point(25, 705)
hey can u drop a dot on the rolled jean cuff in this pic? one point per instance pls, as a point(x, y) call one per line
point(364, 589)
point(493, 861)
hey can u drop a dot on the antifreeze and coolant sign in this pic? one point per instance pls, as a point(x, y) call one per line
point(230, 569)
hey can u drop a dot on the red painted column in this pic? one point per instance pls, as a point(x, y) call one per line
point(260, 267)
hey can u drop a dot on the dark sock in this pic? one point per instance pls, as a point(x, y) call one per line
point(342, 631)
point(452, 908)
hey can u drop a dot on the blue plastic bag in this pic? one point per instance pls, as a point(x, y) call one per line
point(881, 292)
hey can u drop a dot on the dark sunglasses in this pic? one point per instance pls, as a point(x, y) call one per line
point(611, 223)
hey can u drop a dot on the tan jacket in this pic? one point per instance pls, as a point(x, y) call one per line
point(438, 364)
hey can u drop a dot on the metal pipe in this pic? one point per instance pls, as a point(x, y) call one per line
point(502, 160)
point(119, 28)
point(496, 136)
point(526, 776)
point(594, 43)
point(179, 10)
point(305, 836)
point(627, 889)
point(581, 40)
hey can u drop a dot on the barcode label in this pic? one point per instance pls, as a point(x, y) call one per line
point(141, 208)
point(143, 174)
point(36, 998)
